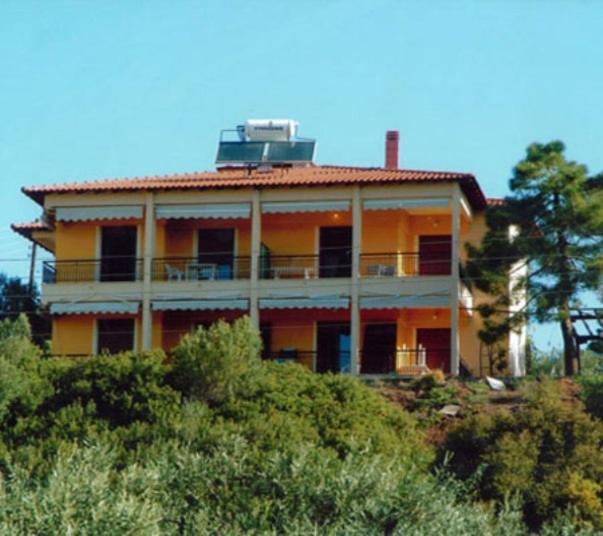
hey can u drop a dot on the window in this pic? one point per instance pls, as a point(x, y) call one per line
point(114, 335)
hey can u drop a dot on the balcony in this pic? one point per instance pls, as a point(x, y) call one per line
point(403, 265)
point(407, 361)
point(108, 269)
point(201, 268)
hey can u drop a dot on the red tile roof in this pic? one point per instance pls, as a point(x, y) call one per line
point(28, 227)
point(26, 230)
point(495, 201)
point(277, 177)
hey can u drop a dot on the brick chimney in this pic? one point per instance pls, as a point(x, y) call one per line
point(391, 149)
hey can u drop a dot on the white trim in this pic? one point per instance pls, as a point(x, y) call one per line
point(289, 207)
point(405, 203)
point(465, 206)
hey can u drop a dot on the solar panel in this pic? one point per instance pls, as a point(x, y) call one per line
point(237, 151)
point(265, 152)
point(291, 151)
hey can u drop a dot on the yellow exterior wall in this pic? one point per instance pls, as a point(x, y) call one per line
point(75, 240)
point(297, 234)
point(72, 334)
point(179, 236)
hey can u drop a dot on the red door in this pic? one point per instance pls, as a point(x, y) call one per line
point(435, 254)
point(437, 345)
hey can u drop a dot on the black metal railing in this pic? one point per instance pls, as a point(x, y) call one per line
point(384, 361)
point(224, 267)
point(289, 266)
point(302, 267)
point(402, 265)
point(109, 269)
point(289, 355)
point(200, 268)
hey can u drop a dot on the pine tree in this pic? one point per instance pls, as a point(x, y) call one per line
point(553, 222)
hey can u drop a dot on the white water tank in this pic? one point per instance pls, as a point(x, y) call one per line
point(271, 129)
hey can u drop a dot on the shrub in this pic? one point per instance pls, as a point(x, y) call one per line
point(233, 492)
point(120, 389)
point(212, 364)
point(287, 403)
point(548, 453)
point(21, 387)
point(592, 393)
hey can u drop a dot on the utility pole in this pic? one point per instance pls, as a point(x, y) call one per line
point(32, 267)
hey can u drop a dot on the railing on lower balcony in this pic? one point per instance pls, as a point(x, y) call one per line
point(303, 267)
point(290, 356)
point(407, 361)
point(109, 269)
point(200, 269)
point(402, 264)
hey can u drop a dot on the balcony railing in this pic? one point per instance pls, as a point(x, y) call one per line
point(289, 266)
point(289, 356)
point(200, 269)
point(404, 361)
point(109, 269)
point(224, 267)
point(402, 265)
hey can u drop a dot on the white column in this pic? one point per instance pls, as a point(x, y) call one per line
point(149, 247)
point(355, 290)
point(256, 238)
point(455, 281)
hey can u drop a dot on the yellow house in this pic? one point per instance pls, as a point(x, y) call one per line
point(341, 268)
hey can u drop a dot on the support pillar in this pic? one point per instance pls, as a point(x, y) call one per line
point(149, 247)
point(256, 240)
point(455, 281)
point(355, 289)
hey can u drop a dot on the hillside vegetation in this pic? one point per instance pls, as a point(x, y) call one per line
point(220, 442)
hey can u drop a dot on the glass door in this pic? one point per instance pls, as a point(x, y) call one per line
point(335, 252)
point(216, 253)
point(118, 253)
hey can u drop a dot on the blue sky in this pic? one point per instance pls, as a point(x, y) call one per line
point(119, 88)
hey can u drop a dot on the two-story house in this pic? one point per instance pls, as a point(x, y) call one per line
point(342, 269)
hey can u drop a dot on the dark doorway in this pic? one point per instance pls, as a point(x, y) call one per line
point(437, 347)
point(333, 347)
point(216, 249)
point(335, 252)
point(115, 335)
point(379, 349)
point(435, 254)
point(266, 335)
point(118, 253)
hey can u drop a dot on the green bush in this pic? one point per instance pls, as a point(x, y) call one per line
point(548, 453)
point(592, 393)
point(22, 388)
point(120, 389)
point(287, 403)
point(213, 363)
point(237, 490)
